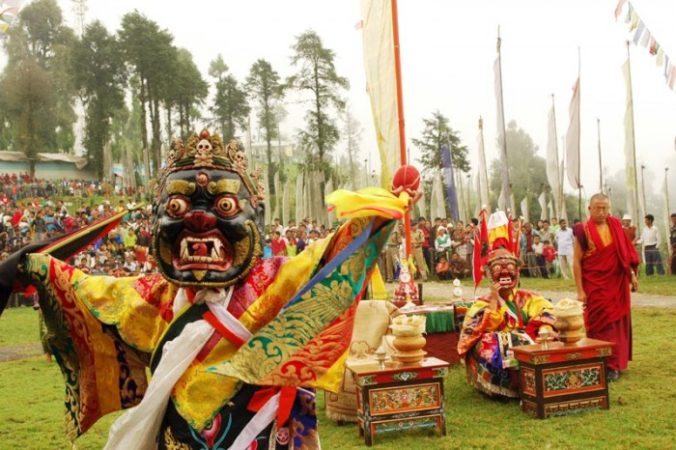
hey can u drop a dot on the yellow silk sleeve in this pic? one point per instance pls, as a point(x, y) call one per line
point(536, 305)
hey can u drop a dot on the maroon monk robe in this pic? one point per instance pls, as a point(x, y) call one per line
point(606, 279)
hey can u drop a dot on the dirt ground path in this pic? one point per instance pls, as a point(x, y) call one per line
point(20, 351)
point(431, 289)
point(437, 290)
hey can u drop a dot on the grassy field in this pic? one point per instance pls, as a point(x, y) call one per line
point(642, 413)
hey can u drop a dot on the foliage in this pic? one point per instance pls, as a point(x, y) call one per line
point(35, 419)
point(526, 169)
point(149, 53)
point(39, 48)
point(188, 91)
point(100, 76)
point(27, 94)
point(436, 133)
point(317, 76)
point(264, 87)
point(230, 107)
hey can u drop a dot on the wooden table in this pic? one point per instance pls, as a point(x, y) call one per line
point(399, 397)
point(560, 378)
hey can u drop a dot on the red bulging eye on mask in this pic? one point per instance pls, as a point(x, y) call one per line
point(227, 206)
point(177, 206)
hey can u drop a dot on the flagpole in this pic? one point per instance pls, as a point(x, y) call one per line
point(557, 189)
point(666, 198)
point(579, 134)
point(598, 129)
point(633, 139)
point(483, 174)
point(506, 184)
point(400, 113)
point(563, 174)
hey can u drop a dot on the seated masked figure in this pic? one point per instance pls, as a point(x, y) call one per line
point(505, 318)
point(236, 344)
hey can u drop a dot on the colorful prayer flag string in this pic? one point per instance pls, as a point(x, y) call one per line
point(644, 38)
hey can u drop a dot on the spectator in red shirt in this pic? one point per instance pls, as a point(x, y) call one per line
point(278, 244)
point(549, 253)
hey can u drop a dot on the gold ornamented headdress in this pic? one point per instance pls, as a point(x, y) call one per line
point(207, 151)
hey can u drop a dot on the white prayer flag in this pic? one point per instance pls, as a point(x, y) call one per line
point(378, 47)
point(553, 157)
point(573, 139)
point(524, 209)
point(629, 150)
point(484, 198)
point(542, 200)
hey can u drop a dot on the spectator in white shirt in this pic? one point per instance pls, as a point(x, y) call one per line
point(564, 242)
point(650, 238)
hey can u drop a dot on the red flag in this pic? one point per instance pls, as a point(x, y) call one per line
point(480, 239)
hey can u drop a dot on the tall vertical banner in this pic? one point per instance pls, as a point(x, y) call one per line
point(629, 147)
point(421, 204)
point(278, 196)
point(502, 143)
point(381, 84)
point(524, 209)
point(437, 207)
point(484, 198)
point(331, 214)
point(573, 139)
point(553, 159)
point(286, 204)
point(542, 200)
point(449, 182)
point(299, 214)
point(268, 197)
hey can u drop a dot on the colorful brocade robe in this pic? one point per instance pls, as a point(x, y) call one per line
point(487, 337)
point(108, 334)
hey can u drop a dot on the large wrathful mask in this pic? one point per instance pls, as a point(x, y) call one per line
point(208, 214)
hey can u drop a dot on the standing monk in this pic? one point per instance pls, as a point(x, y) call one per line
point(605, 264)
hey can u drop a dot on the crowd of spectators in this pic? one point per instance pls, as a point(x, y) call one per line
point(292, 238)
point(445, 249)
point(15, 188)
point(27, 215)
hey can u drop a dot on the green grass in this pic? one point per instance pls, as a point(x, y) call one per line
point(642, 413)
point(19, 326)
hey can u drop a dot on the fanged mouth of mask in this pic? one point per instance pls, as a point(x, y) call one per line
point(505, 281)
point(210, 252)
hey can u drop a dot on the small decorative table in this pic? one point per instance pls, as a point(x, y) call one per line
point(559, 378)
point(398, 397)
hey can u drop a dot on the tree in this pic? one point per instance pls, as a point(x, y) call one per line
point(149, 52)
point(27, 94)
point(264, 87)
point(527, 170)
point(230, 107)
point(437, 133)
point(317, 75)
point(100, 76)
point(188, 91)
point(40, 40)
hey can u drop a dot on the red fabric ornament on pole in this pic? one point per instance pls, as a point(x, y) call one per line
point(406, 178)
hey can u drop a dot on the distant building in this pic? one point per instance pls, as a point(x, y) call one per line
point(50, 166)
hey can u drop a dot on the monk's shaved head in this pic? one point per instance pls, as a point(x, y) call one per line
point(598, 196)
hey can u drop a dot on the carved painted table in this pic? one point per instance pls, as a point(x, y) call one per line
point(398, 397)
point(563, 378)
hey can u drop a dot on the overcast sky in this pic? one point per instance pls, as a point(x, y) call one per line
point(447, 52)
